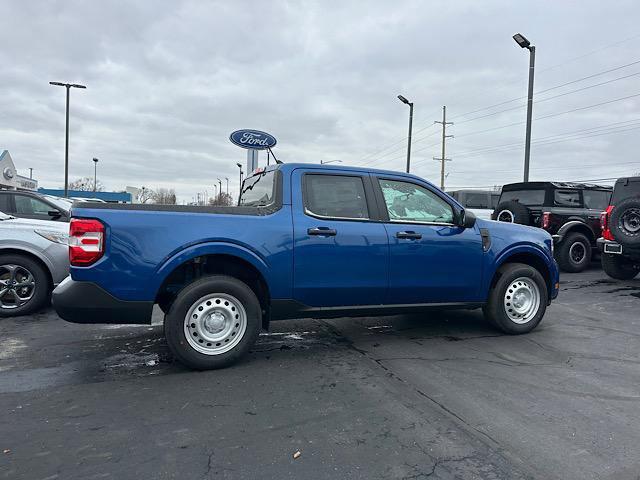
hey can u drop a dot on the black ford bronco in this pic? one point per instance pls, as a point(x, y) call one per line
point(620, 241)
point(570, 212)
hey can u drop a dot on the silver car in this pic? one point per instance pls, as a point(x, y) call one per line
point(34, 258)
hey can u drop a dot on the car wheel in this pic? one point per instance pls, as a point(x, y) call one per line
point(574, 253)
point(512, 212)
point(518, 300)
point(24, 286)
point(213, 322)
point(618, 267)
point(625, 222)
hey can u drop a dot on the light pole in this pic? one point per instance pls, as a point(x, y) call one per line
point(220, 183)
point(407, 102)
point(31, 173)
point(240, 167)
point(95, 173)
point(68, 86)
point(524, 43)
point(324, 162)
point(227, 179)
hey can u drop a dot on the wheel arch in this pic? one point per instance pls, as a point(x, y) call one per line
point(577, 226)
point(528, 256)
point(185, 268)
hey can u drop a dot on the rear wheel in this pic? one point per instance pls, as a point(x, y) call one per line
point(574, 253)
point(213, 322)
point(518, 300)
point(618, 267)
point(24, 286)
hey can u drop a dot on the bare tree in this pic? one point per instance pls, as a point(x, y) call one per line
point(222, 200)
point(165, 196)
point(85, 184)
point(146, 195)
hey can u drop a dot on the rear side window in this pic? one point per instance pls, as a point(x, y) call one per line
point(596, 199)
point(566, 198)
point(335, 196)
point(31, 206)
point(477, 200)
point(530, 198)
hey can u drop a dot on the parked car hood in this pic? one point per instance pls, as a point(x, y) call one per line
point(28, 223)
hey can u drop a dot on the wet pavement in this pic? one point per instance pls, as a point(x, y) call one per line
point(441, 395)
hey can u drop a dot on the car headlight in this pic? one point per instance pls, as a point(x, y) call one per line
point(52, 236)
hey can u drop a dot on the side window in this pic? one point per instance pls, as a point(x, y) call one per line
point(567, 198)
point(477, 200)
point(31, 206)
point(408, 202)
point(595, 199)
point(4, 204)
point(335, 196)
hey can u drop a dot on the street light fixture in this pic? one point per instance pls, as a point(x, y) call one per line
point(407, 102)
point(524, 43)
point(68, 86)
point(95, 173)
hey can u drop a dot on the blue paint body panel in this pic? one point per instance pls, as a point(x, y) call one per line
point(363, 264)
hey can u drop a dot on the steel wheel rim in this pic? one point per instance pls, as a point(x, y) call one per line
point(630, 221)
point(522, 300)
point(577, 252)
point(215, 324)
point(505, 216)
point(17, 286)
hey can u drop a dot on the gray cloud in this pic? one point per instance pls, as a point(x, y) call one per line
point(168, 81)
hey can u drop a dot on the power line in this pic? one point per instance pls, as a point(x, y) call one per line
point(555, 87)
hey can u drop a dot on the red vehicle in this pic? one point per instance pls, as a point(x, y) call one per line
point(620, 241)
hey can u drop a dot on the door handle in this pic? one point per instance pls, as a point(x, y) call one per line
point(410, 235)
point(322, 231)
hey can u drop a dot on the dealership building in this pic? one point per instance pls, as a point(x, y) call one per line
point(9, 178)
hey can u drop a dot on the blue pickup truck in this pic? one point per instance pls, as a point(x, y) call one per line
point(304, 241)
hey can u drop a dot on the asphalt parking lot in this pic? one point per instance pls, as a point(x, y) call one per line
point(430, 396)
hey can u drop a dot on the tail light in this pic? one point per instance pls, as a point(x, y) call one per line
point(604, 223)
point(86, 241)
point(546, 220)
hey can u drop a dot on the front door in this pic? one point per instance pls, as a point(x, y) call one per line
point(431, 259)
point(340, 251)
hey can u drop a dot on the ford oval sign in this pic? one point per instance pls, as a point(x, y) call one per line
point(254, 139)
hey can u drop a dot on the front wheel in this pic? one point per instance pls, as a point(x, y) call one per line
point(518, 300)
point(213, 322)
point(618, 267)
point(24, 285)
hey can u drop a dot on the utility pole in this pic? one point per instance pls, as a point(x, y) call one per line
point(443, 158)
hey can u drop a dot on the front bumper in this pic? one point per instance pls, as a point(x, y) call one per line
point(86, 302)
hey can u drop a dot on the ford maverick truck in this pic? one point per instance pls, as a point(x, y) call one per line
point(304, 241)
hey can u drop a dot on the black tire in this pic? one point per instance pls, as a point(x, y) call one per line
point(574, 253)
point(512, 212)
point(40, 293)
point(618, 267)
point(625, 222)
point(193, 295)
point(495, 310)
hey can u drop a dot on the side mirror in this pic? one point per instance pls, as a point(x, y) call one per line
point(468, 219)
point(54, 213)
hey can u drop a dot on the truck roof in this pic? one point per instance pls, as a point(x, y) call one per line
point(541, 185)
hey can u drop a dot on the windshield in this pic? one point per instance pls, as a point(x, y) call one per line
point(530, 198)
point(258, 190)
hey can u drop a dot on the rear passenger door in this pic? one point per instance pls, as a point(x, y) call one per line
point(340, 248)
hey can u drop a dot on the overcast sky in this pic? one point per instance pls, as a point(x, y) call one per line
point(167, 81)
